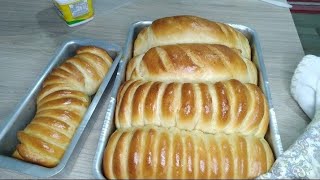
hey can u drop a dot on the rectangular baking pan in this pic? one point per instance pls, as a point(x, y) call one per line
point(272, 136)
point(25, 111)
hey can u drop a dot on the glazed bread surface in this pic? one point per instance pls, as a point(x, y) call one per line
point(170, 153)
point(227, 106)
point(191, 63)
point(190, 29)
point(61, 105)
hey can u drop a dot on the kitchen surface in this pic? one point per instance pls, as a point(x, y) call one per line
point(31, 33)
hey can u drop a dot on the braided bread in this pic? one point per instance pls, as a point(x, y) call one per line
point(170, 153)
point(61, 105)
point(190, 29)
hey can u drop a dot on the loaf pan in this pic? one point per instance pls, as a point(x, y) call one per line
point(272, 136)
point(25, 111)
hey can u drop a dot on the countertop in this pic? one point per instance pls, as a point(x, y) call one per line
point(31, 31)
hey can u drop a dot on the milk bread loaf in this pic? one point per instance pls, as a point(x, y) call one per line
point(227, 106)
point(192, 63)
point(170, 153)
point(61, 105)
point(190, 29)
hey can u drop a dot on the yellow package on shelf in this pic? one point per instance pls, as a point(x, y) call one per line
point(75, 12)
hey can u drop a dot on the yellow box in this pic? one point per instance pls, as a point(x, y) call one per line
point(75, 12)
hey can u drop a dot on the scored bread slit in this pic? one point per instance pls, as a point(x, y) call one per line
point(250, 106)
point(54, 79)
point(64, 96)
point(56, 125)
point(47, 148)
point(74, 72)
point(140, 151)
point(182, 136)
point(164, 59)
point(260, 163)
point(136, 152)
point(202, 154)
point(228, 156)
point(177, 95)
point(134, 67)
point(91, 75)
point(192, 56)
point(256, 125)
point(256, 116)
point(242, 158)
point(137, 115)
point(32, 130)
point(52, 88)
point(77, 107)
point(226, 61)
point(151, 105)
point(215, 108)
point(223, 110)
point(229, 128)
point(98, 52)
point(65, 116)
point(159, 103)
point(66, 75)
point(149, 155)
point(227, 32)
point(270, 157)
point(110, 148)
point(120, 98)
point(205, 102)
point(31, 154)
point(84, 67)
point(215, 165)
point(126, 104)
point(120, 161)
point(99, 62)
point(190, 149)
point(170, 154)
point(198, 103)
point(168, 107)
point(251, 67)
point(265, 120)
point(177, 156)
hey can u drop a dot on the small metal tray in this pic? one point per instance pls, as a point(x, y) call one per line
point(25, 111)
point(272, 136)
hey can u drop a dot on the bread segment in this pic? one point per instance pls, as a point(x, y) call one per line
point(191, 63)
point(181, 154)
point(190, 29)
point(227, 106)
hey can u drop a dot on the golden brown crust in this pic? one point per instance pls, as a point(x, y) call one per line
point(155, 152)
point(227, 106)
point(191, 63)
point(97, 51)
point(61, 105)
point(190, 107)
point(190, 29)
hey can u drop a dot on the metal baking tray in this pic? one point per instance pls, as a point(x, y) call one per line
point(25, 111)
point(272, 136)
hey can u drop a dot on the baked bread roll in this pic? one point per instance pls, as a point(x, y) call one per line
point(192, 63)
point(61, 105)
point(190, 29)
point(229, 106)
point(162, 153)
